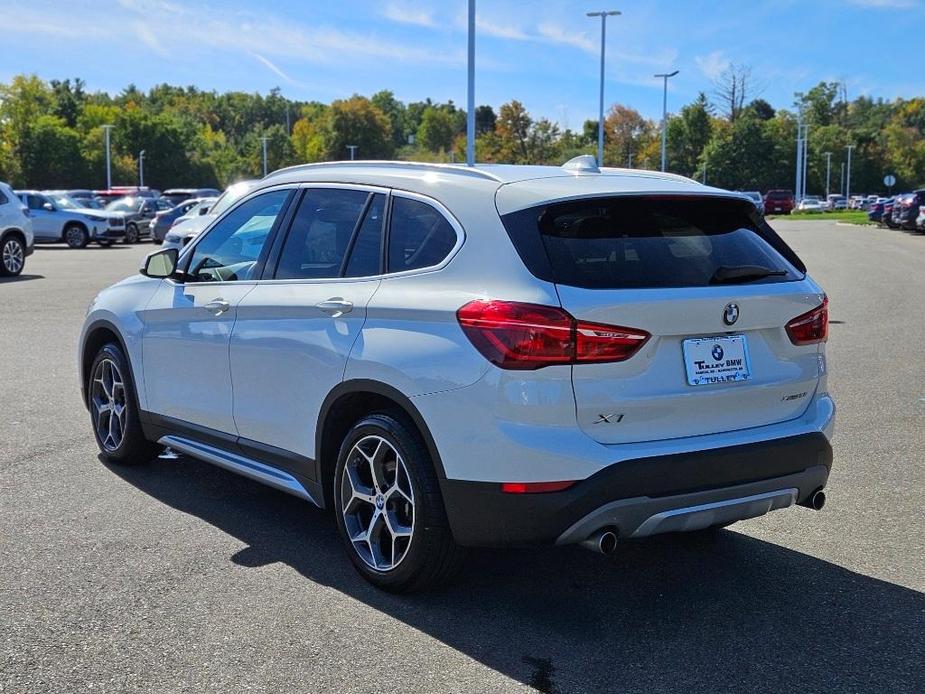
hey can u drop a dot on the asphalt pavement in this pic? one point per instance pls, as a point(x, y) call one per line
point(181, 577)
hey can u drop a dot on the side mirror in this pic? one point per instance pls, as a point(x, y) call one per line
point(160, 263)
point(48, 206)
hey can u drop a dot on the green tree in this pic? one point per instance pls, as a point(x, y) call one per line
point(437, 130)
point(50, 155)
point(356, 121)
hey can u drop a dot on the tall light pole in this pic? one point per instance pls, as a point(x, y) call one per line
point(665, 76)
point(106, 129)
point(805, 157)
point(848, 179)
point(263, 143)
point(828, 173)
point(470, 113)
point(603, 14)
point(842, 188)
point(799, 177)
point(141, 169)
point(353, 151)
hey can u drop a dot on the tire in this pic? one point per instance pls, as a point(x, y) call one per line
point(12, 256)
point(426, 556)
point(131, 234)
point(75, 236)
point(110, 386)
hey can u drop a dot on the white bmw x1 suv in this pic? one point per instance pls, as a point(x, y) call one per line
point(497, 355)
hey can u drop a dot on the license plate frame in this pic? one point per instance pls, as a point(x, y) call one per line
point(717, 360)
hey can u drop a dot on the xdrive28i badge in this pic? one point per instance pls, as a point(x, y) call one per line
point(730, 314)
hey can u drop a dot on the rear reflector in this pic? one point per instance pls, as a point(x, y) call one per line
point(534, 487)
point(810, 327)
point(515, 335)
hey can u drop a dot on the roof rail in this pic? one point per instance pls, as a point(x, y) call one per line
point(647, 173)
point(459, 169)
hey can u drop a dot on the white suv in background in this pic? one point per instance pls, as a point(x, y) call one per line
point(449, 356)
point(16, 241)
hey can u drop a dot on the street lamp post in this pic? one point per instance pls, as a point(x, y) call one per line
point(470, 113)
point(842, 187)
point(263, 143)
point(603, 14)
point(828, 173)
point(665, 76)
point(353, 150)
point(848, 178)
point(141, 169)
point(106, 129)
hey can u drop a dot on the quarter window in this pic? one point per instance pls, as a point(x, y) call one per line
point(320, 233)
point(232, 249)
point(419, 236)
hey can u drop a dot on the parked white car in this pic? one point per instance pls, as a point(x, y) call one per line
point(453, 356)
point(58, 218)
point(810, 204)
point(835, 202)
point(16, 240)
point(186, 230)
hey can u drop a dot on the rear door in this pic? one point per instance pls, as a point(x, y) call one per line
point(685, 271)
point(294, 332)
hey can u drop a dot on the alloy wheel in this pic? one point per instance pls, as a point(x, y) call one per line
point(13, 256)
point(74, 237)
point(377, 503)
point(107, 398)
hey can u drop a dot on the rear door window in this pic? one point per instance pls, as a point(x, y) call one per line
point(320, 233)
point(649, 242)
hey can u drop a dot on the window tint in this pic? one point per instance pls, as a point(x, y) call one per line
point(3, 198)
point(35, 202)
point(231, 249)
point(320, 232)
point(367, 247)
point(419, 236)
point(647, 242)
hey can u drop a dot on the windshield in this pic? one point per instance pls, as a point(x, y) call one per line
point(65, 203)
point(231, 195)
point(124, 205)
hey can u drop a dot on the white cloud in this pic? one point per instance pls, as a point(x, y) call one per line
point(555, 33)
point(408, 14)
point(885, 4)
point(712, 64)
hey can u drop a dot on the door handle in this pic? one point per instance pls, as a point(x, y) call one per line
point(335, 306)
point(217, 306)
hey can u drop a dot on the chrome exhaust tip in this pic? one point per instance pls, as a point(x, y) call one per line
point(604, 541)
point(815, 501)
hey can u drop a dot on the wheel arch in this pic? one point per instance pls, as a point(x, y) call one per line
point(348, 402)
point(97, 334)
point(14, 231)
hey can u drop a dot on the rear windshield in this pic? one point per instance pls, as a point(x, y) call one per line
point(651, 241)
point(779, 194)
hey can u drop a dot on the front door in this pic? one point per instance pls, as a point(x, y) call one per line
point(46, 226)
point(187, 325)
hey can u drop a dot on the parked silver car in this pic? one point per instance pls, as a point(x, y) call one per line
point(57, 218)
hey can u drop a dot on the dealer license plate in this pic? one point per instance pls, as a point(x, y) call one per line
point(716, 360)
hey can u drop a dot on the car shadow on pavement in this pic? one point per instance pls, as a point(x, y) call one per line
point(714, 612)
point(20, 278)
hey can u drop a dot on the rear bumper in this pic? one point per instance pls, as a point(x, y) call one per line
point(646, 496)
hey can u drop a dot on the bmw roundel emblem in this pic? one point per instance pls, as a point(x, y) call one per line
point(730, 314)
point(717, 352)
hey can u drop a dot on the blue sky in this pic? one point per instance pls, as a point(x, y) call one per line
point(544, 53)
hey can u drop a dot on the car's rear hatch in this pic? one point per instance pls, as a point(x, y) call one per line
point(687, 271)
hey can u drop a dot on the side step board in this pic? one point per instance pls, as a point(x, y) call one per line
point(234, 462)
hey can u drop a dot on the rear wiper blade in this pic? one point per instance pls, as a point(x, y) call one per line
point(730, 274)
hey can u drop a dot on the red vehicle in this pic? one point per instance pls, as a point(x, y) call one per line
point(122, 191)
point(779, 202)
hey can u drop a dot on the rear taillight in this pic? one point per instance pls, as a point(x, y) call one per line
point(810, 327)
point(514, 335)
